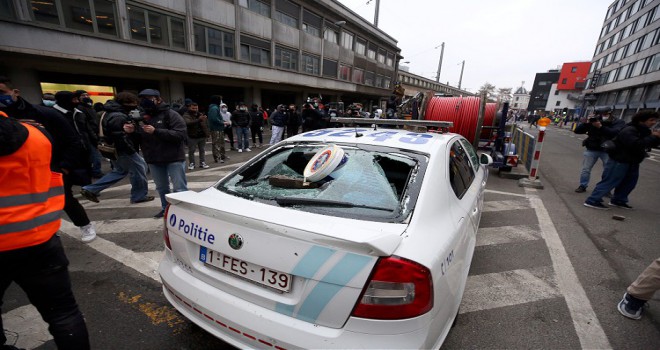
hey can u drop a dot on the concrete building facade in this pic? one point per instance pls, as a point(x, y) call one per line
point(257, 51)
point(625, 70)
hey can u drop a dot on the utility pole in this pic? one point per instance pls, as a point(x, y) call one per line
point(442, 51)
point(460, 80)
point(376, 14)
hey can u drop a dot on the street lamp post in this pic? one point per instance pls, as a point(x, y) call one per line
point(442, 51)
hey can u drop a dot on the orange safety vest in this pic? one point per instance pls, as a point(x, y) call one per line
point(31, 196)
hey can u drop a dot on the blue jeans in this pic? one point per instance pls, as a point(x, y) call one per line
point(132, 165)
point(95, 159)
point(620, 176)
point(590, 159)
point(163, 172)
point(243, 137)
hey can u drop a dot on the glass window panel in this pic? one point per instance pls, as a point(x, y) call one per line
point(310, 64)
point(199, 38)
point(347, 40)
point(624, 72)
point(369, 78)
point(358, 76)
point(265, 57)
point(7, 9)
point(330, 68)
point(228, 42)
point(106, 17)
point(330, 35)
point(646, 41)
point(360, 46)
point(371, 53)
point(636, 95)
point(344, 72)
point(381, 56)
point(310, 29)
point(656, 14)
point(45, 11)
point(178, 33)
point(77, 15)
point(245, 52)
point(655, 63)
point(158, 29)
point(641, 22)
point(138, 26)
point(637, 70)
point(286, 19)
point(653, 93)
point(390, 59)
point(215, 41)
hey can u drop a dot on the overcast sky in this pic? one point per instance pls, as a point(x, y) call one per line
point(503, 42)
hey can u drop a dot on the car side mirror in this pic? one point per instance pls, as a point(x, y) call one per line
point(485, 159)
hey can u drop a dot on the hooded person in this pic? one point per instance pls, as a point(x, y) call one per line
point(217, 129)
point(229, 127)
point(162, 137)
point(92, 124)
point(240, 119)
point(278, 123)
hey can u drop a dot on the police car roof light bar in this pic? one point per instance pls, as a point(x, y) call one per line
point(403, 122)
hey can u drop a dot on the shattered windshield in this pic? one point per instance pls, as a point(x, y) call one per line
point(369, 183)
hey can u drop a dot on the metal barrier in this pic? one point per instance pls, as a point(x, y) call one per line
point(525, 145)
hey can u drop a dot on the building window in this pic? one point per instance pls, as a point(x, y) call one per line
point(358, 76)
point(220, 43)
point(255, 51)
point(517, 98)
point(330, 68)
point(381, 55)
point(390, 59)
point(379, 80)
point(285, 58)
point(75, 14)
point(330, 35)
point(637, 68)
point(344, 71)
point(311, 24)
point(646, 41)
point(347, 40)
point(653, 93)
point(556, 92)
point(623, 73)
point(310, 64)
point(655, 63)
point(564, 81)
point(386, 82)
point(558, 103)
point(7, 9)
point(622, 97)
point(257, 6)
point(371, 51)
point(287, 13)
point(369, 78)
point(163, 30)
point(360, 46)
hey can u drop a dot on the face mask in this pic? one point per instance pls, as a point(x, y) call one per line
point(243, 108)
point(223, 109)
point(148, 104)
point(49, 103)
point(6, 100)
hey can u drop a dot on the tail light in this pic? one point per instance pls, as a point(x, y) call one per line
point(398, 288)
point(166, 235)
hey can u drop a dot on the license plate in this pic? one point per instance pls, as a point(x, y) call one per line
point(253, 272)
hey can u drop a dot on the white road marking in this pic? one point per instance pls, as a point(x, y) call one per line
point(507, 234)
point(126, 225)
point(505, 205)
point(506, 193)
point(24, 328)
point(124, 189)
point(143, 263)
point(587, 326)
point(508, 288)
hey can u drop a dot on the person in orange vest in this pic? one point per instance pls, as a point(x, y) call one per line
point(31, 253)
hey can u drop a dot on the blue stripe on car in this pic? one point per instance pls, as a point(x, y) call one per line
point(307, 268)
point(337, 278)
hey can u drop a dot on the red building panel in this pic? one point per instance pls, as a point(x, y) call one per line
point(573, 76)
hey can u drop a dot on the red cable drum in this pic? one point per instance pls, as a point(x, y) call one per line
point(463, 112)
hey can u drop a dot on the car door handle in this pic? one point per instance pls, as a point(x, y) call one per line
point(475, 211)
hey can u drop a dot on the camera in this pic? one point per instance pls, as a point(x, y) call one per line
point(135, 116)
point(594, 119)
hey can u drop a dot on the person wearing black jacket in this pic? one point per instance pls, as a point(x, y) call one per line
point(92, 124)
point(622, 170)
point(162, 136)
point(257, 125)
point(129, 161)
point(294, 121)
point(598, 129)
point(277, 122)
point(240, 120)
point(311, 118)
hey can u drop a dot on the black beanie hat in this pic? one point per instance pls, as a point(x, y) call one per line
point(64, 98)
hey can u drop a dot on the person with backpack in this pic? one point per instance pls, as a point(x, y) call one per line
point(622, 169)
point(128, 162)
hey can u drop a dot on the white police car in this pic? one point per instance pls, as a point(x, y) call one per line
point(289, 252)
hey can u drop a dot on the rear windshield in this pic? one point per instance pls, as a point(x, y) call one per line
point(375, 183)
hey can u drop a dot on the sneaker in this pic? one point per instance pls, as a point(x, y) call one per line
point(160, 214)
point(596, 205)
point(581, 189)
point(191, 166)
point(620, 205)
point(88, 233)
point(204, 166)
point(145, 199)
point(631, 307)
point(240, 150)
point(90, 196)
point(248, 150)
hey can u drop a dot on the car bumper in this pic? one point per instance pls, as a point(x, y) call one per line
point(253, 326)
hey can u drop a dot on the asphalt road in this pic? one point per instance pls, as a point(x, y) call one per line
point(547, 272)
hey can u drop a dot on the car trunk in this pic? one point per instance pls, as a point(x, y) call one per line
point(308, 266)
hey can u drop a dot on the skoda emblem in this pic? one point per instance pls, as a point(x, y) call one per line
point(235, 241)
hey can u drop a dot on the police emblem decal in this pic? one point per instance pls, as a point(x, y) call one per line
point(235, 241)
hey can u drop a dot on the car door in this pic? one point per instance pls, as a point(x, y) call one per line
point(478, 184)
